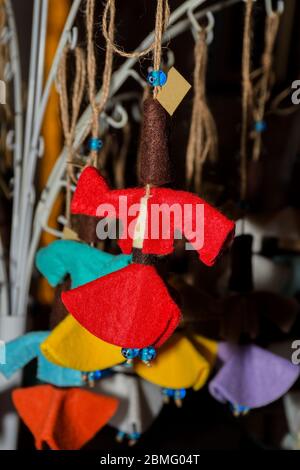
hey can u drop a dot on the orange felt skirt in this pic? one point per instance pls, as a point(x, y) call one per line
point(63, 419)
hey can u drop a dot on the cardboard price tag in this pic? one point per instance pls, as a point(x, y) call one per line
point(173, 92)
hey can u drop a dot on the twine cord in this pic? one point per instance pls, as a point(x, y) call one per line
point(98, 107)
point(164, 18)
point(262, 88)
point(69, 123)
point(246, 96)
point(202, 141)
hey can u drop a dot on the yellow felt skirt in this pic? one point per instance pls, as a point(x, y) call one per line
point(180, 364)
point(71, 345)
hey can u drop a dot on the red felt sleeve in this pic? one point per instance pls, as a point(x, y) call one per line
point(218, 234)
point(91, 191)
point(205, 228)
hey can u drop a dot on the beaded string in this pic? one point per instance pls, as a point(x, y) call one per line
point(95, 143)
point(69, 125)
point(161, 23)
point(262, 88)
point(202, 142)
point(246, 96)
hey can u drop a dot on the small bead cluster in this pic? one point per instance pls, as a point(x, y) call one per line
point(91, 377)
point(238, 410)
point(145, 354)
point(132, 437)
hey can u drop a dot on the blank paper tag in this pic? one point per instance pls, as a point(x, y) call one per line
point(69, 234)
point(173, 92)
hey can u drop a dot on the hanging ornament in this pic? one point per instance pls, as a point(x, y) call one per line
point(244, 310)
point(139, 298)
point(82, 262)
point(71, 345)
point(179, 366)
point(24, 349)
point(251, 377)
point(63, 419)
point(140, 402)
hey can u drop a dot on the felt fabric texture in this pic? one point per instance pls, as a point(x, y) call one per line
point(140, 402)
point(154, 165)
point(63, 419)
point(129, 308)
point(178, 365)
point(82, 262)
point(92, 191)
point(71, 345)
point(22, 350)
point(291, 402)
point(251, 376)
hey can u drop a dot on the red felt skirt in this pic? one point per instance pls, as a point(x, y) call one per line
point(63, 419)
point(130, 308)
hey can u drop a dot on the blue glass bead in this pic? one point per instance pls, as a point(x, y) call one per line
point(134, 436)
point(168, 392)
point(130, 353)
point(97, 374)
point(95, 144)
point(239, 409)
point(157, 78)
point(180, 394)
point(120, 435)
point(147, 354)
point(260, 126)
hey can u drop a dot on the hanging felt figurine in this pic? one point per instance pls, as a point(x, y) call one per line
point(63, 419)
point(244, 309)
point(140, 402)
point(178, 366)
point(71, 345)
point(50, 412)
point(140, 313)
point(24, 349)
point(251, 377)
point(82, 262)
